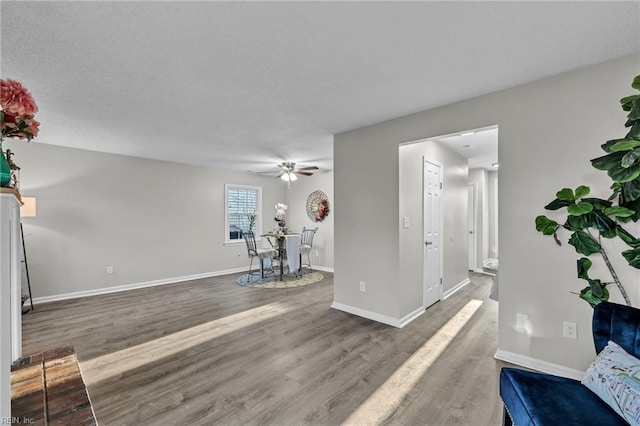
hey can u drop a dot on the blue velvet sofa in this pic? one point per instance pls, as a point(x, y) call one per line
point(532, 398)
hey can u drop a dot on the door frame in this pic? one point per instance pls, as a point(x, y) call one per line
point(473, 210)
point(426, 159)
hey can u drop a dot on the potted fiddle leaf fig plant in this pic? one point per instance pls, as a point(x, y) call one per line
point(592, 220)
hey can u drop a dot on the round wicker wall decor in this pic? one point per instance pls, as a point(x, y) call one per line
point(317, 206)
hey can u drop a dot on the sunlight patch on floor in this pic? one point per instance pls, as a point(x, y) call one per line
point(119, 362)
point(387, 398)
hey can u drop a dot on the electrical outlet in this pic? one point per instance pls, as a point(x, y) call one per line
point(109, 269)
point(363, 286)
point(570, 330)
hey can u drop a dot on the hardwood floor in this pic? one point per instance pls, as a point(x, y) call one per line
point(212, 352)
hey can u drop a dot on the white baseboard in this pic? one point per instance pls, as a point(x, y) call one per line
point(385, 319)
point(455, 288)
point(411, 316)
point(125, 287)
point(115, 289)
point(322, 268)
point(538, 365)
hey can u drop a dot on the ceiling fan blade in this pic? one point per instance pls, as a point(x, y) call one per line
point(298, 172)
point(280, 175)
point(307, 168)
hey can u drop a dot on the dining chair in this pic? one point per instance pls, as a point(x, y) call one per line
point(254, 252)
point(306, 244)
point(277, 244)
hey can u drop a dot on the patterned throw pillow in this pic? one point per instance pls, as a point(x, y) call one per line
point(615, 377)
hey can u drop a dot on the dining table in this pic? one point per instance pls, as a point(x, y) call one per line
point(289, 243)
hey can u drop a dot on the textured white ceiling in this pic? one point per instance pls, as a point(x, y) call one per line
point(480, 147)
point(247, 85)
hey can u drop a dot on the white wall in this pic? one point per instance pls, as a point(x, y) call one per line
point(151, 220)
point(549, 130)
point(481, 178)
point(322, 254)
point(454, 204)
point(493, 215)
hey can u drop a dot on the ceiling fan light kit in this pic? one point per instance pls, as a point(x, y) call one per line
point(289, 177)
point(289, 172)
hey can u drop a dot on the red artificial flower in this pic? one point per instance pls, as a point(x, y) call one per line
point(17, 111)
point(15, 99)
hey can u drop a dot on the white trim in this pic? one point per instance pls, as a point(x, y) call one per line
point(455, 288)
point(473, 247)
point(125, 287)
point(538, 365)
point(322, 268)
point(411, 316)
point(395, 322)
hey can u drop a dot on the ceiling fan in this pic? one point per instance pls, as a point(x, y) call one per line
point(289, 171)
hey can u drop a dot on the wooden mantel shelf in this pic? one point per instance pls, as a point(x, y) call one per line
point(11, 191)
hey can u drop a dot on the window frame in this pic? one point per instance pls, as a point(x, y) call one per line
point(258, 211)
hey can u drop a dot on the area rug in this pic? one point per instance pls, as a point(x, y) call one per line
point(289, 281)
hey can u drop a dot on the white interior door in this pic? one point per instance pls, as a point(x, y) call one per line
point(472, 222)
point(432, 264)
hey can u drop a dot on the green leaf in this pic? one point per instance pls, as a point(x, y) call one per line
point(621, 174)
point(583, 267)
point(596, 288)
point(618, 211)
point(632, 205)
point(581, 191)
point(558, 204)
point(576, 223)
point(631, 190)
point(633, 257)
point(601, 222)
point(634, 132)
point(636, 82)
point(587, 294)
point(608, 162)
point(630, 158)
point(625, 236)
point(598, 203)
point(546, 225)
point(584, 243)
point(627, 102)
point(634, 114)
point(566, 194)
point(606, 147)
point(625, 145)
point(580, 209)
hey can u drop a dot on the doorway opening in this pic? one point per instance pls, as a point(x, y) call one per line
point(469, 202)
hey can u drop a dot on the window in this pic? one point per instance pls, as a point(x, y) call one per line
point(240, 202)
